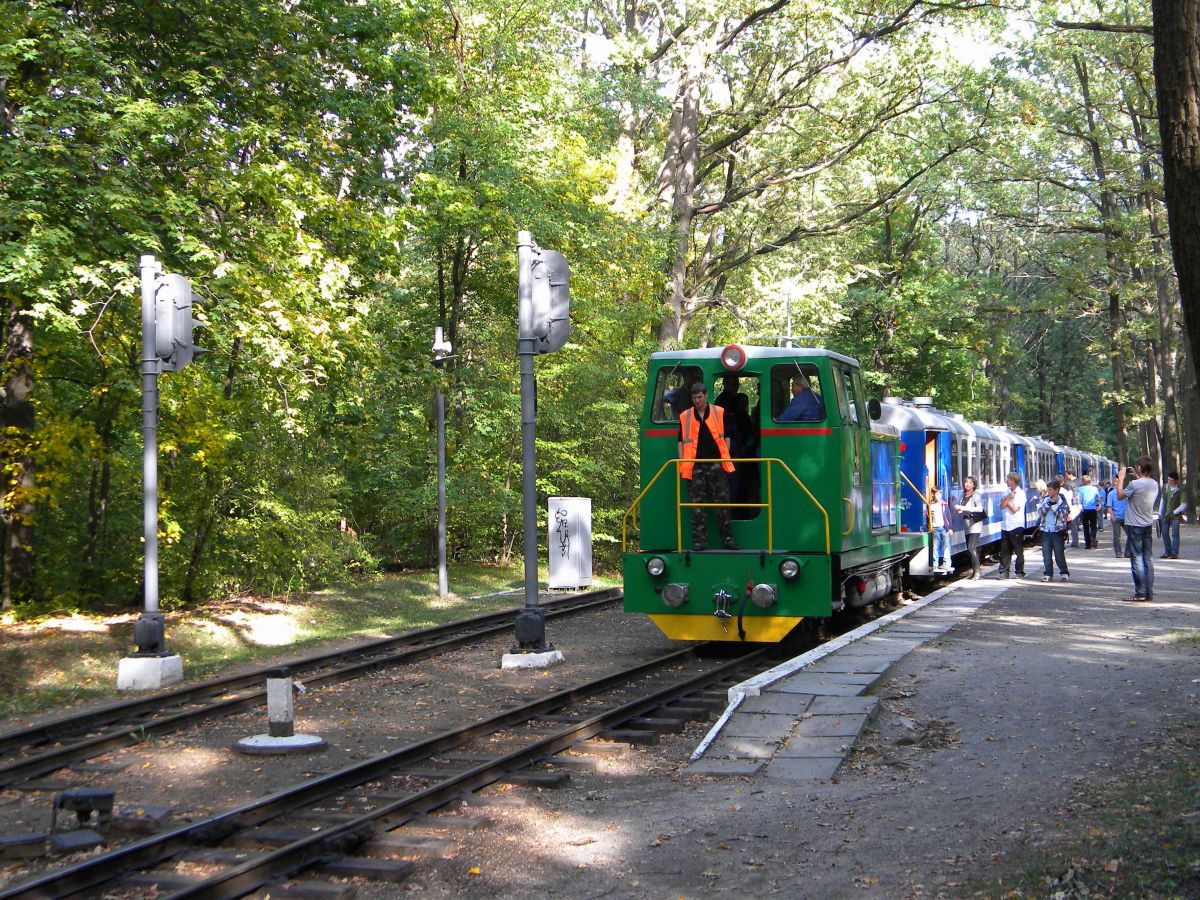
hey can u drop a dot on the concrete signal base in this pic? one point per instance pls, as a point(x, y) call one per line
point(532, 660)
point(148, 673)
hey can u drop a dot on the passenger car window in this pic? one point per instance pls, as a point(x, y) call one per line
point(790, 400)
point(672, 392)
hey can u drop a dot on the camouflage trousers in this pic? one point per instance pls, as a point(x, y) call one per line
point(709, 484)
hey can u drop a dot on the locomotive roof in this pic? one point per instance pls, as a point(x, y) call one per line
point(752, 353)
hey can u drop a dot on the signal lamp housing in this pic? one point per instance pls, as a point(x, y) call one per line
point(733, 357)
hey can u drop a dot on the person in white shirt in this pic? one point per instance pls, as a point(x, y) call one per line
point(1012, 529)
point(937, 525)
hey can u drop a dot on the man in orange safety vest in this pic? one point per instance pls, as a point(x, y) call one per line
point(702, 437)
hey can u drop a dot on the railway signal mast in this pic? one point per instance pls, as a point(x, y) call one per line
point(442, 349)
point(543, 325)
point(166, 347)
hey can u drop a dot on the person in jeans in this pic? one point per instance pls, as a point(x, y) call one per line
point(1171, 511)
point(973, 515)
point(1069, 484)
point(1088, 496)
point(1141, 492)
point(1116, 513)
point(937, 523)
point(1012, 528)
point(1054, 513)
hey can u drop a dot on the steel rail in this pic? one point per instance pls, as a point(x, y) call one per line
point(483, 626)
point(158, 848)
point(339, 839)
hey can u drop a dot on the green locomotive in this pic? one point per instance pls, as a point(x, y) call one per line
point(815, 496)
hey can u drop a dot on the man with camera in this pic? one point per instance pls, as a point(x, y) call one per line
point(1141, 493)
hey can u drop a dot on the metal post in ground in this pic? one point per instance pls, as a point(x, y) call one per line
point(532, 649)
point(152, 666)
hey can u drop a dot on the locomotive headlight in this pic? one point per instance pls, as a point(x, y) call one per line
point(656, 565)
point(789, 569)
point(733, 357)
point(675, 594)
point(763, 595)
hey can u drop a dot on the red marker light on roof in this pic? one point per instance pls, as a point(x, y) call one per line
point(733, 357)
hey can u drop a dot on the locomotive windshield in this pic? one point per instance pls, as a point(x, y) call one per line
point(671, 395)
point(796, 393)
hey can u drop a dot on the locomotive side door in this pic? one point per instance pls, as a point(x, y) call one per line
point(856, 444)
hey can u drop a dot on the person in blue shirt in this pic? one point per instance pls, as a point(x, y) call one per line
point(1116, 515)
point(1088, 496)
point(805, 407)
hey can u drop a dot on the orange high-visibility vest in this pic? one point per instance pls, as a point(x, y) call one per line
point(689, 423)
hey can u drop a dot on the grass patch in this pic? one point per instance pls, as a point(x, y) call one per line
point(1187, 638)
point(56, 661)
point(1142, 837)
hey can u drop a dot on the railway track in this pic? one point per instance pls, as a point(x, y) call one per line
point(86, 735)
point(351, 822)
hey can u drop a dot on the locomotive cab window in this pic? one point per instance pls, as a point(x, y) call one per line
point(797, 394)
point(672, 392)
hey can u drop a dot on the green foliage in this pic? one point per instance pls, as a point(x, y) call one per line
point(339, 179)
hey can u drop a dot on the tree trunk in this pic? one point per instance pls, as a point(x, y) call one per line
point(16, 453)
point(678, 179)
point(1177, 76)
point(98, 491)
point(1108, 213)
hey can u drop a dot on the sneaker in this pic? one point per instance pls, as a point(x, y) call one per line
point(1065, 577)
point(730, 544)
point(1045, 578)
point(1020, 575)
point(1136, 599)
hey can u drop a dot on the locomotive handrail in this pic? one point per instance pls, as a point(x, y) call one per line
point(680, 504)
point(928, 506)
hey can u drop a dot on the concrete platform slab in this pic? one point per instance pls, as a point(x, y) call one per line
point(742, 748)
point(819, 685)
point(759, 725)
point(804, 769)
point(862, 665)
point(814, 747)
point(724, 767)
point(780, 704)
point(845, 706)
point(844, 726)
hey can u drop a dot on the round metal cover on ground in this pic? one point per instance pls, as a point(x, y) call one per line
point(265, 745)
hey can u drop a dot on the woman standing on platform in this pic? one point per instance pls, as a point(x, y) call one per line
point(973, 515)
point(1054, 514)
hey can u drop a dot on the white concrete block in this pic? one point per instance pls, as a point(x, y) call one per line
point(532, 660)
point(148, 673)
